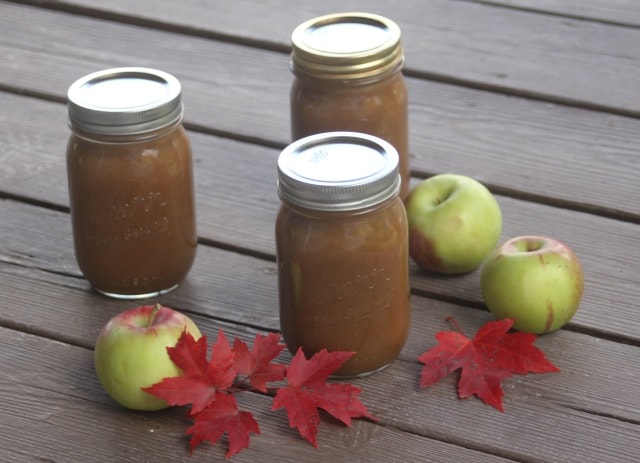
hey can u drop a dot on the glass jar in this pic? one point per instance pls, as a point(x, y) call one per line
point(342, 250)
point(130, 177)
point(348, 77)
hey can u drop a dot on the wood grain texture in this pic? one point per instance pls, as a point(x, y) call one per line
point(538, 100)
point(622, 12)
point(545, 408)
point(245, 219)
point(226, 289)
point(517, 146)
point(477, 44)
point(68, 414)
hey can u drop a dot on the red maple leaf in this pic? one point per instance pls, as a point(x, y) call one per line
point(209, 386)
point(223, 416)
point(492, 355)
point(307, 391)
point(201, 378)
point(256, 364)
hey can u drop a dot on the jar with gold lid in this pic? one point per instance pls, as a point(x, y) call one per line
point(348, 77)
point(129, 169)
point(342, 250)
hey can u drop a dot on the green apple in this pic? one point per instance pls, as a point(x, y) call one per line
point(536, 280)
point(131, 353)
point(454, 223)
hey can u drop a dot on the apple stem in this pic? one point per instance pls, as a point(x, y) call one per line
point(154, 312)
point(454, 322)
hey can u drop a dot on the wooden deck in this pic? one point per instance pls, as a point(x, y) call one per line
point(539, 100)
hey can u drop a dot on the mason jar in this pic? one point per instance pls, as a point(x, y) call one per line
point(130, 178)
point(348, 77)
point(342, 250)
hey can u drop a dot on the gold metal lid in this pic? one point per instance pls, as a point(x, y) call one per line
point(346, 45)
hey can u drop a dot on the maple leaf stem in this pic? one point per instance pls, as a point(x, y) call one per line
point(240, 385)
point(451, 319)
point(243, 384)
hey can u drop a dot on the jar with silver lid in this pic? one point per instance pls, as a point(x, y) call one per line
point(342, 249)
point(129, 169)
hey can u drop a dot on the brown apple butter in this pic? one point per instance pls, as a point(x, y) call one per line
point(130, 180)
point(342, 250)
point(348, 76)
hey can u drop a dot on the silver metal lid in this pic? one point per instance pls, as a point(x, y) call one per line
point(124, 101)
point(338, 171)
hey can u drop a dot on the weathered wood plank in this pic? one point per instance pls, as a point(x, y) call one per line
point(545, 154)
point(518, 146)
point(226, 285)
point(530, 429)
point(245, 218)
point(225, 288)
point(623, 12)
point(33, 166)
point(559, 417)
point(508, 49)
point(64, 415)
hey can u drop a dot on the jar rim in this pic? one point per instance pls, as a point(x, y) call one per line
point(338, 171)
point(325, 46)
point(124, 101)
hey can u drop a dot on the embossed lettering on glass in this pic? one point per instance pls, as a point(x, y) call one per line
point(342, 249)
point(130, 179)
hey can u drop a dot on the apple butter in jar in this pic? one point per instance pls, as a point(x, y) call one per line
point(342, 250)
point(131, 192)
point(348, 77)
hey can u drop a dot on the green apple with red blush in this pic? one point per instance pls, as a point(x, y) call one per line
point(131, 353)
point(454, 223)
point(536, 280)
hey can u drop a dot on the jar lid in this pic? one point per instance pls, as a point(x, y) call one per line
point(124, 101)
point(338, 171)
point(346, 45)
